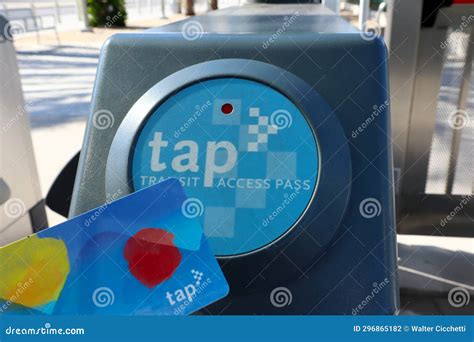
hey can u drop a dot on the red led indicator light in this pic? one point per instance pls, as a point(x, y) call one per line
point(227, 108)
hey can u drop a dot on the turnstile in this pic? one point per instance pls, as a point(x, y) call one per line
point(275, 119)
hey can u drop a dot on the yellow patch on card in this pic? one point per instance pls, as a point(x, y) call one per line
point(33, 271)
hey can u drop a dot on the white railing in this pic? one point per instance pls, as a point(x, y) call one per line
point(58, 9)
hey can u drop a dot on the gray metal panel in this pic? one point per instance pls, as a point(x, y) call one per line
point(446, 103)
point(421, 128)
point(17, 159)
point(414, 109)
point(402, 37)
point(461, 96)
point(464, 176)
point(435, 161)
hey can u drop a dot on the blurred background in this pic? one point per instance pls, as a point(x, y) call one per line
point(57, 45)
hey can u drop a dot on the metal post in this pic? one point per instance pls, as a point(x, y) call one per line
point(462, 104)
point(78, 9)
point(333, 5)
point(35, 22)
point(364, 11)
point(177, 6)
point(85, 17)
point(402, 36)
point(57, 12)
point(163, 14)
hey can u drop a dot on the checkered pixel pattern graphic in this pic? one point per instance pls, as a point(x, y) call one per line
point(197, 276)
point(261, 130)
point(255, 134)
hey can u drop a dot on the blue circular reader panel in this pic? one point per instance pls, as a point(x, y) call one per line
point(244, 153)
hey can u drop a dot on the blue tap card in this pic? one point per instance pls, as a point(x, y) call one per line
point(143, 254)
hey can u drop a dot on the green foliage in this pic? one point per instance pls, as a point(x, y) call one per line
point(107, 13)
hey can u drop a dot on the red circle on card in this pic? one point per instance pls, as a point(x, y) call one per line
point(152, 256)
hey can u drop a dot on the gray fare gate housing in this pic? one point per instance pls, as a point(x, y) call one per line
point(340, 249)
